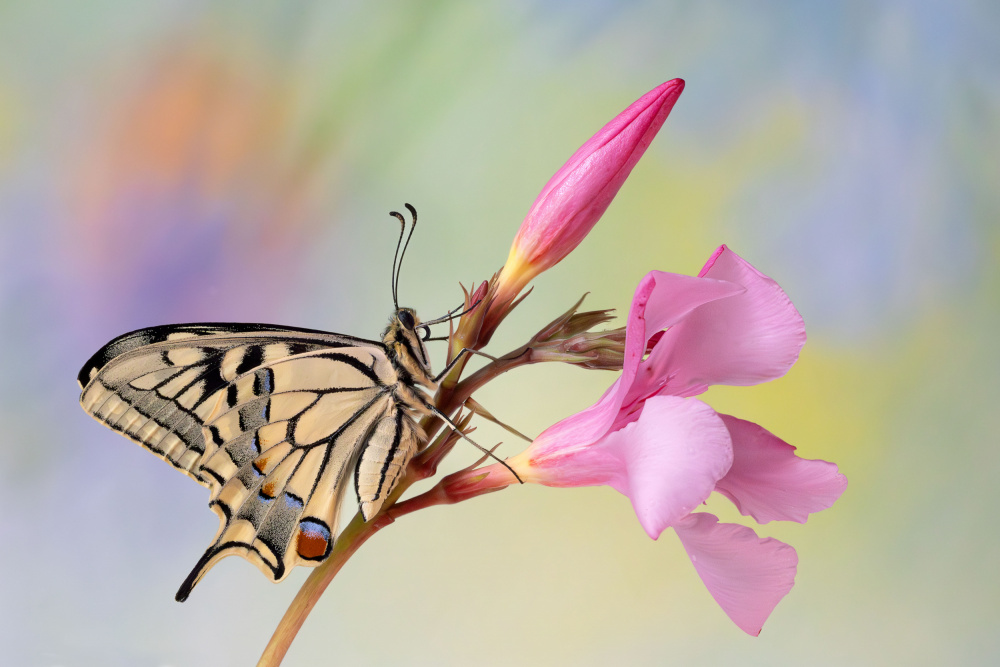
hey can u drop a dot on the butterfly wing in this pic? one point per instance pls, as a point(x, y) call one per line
point(273, 420)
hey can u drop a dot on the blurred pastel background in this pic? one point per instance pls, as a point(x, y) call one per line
point(184, 161)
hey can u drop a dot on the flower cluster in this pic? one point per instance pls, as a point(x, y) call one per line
point(650, 440)
point(648, 436)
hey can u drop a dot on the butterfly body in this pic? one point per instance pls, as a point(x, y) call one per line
point(273, 420)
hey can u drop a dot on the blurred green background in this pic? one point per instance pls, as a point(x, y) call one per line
point(184, 161)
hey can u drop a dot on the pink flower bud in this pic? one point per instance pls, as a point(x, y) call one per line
point(574, 199)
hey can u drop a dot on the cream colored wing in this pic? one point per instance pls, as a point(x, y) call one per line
point(272, 420)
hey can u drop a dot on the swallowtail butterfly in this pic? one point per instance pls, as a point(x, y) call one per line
point(274, 420)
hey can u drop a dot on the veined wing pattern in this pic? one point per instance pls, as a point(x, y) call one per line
point(273, 420)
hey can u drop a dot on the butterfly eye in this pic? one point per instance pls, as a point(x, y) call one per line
point(406, 319)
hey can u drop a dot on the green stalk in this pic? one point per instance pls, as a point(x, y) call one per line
point(349, 541)
point(358, 531)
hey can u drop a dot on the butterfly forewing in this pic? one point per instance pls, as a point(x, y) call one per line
point(272, 420)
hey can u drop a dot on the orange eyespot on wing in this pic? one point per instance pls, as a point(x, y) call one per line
point(273, 421)
point(313, 540)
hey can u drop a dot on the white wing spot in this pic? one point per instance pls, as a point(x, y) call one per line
point(185, 356)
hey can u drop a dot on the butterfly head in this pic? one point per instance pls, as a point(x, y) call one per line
point(406, 346)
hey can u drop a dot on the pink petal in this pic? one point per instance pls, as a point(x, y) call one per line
point(745, 574)
point(671, 459)
point(583, 428)
point(747, 339)
point(559, 459)
point(661, 300)
point(770, 483)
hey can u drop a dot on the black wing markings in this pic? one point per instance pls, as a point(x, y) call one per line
point(150, 335)
point(271, 514)
point(329, 451)
point(295, 338)
point(396, 441)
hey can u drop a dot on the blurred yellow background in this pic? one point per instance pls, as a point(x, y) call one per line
point(170, 162)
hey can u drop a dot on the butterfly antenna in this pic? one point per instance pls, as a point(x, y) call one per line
point(413, 226)
point(396, 258)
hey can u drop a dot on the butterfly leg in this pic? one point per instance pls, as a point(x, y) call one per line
point(458, 357)
point(478, 409)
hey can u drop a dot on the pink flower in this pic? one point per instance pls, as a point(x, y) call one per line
point(577, 195)
point(667, 452)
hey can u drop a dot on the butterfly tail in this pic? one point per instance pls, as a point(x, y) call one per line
point(200, 568)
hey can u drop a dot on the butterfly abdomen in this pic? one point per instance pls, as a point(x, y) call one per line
point(390, 446)
point(394, 439)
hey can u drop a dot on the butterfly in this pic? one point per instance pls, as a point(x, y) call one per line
point(274, 420)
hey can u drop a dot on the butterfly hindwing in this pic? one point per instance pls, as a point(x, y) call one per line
point(272, 420)
point(283, 460)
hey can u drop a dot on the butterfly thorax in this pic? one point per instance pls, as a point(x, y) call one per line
point(405, 348)
point(408, 355)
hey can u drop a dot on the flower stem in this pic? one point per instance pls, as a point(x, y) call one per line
point(350, 540)
point(357, 531)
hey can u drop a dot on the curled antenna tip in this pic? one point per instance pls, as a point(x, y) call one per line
point(397, 259)
point(399, 267)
